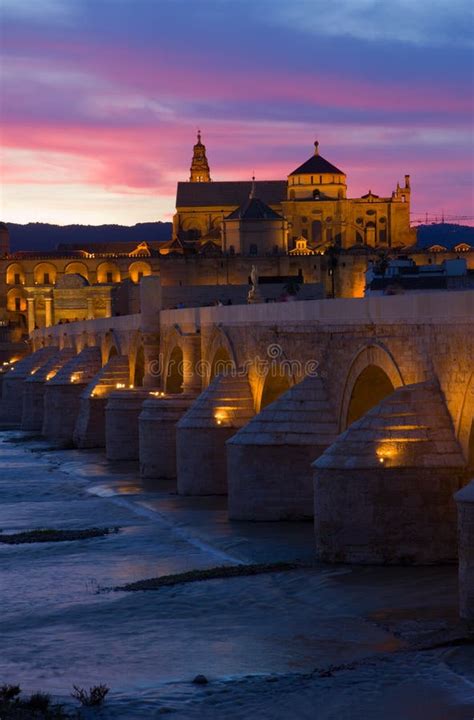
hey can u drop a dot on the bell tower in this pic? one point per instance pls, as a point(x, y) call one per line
point(199, 166)
point(4, 240)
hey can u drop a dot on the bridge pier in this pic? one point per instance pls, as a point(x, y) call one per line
point(384, 489)
point(269, 459)
point(121, 423)
point(89, 431)
point(465, 504)
point(63, 393)
point(157, 433)
point(34, 389)
point(14, 382)
point(225, 406)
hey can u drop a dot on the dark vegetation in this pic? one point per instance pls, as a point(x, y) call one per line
point(37, 707)
point(93, 697)
point(446, 234)
point(219, 572)
point(43, 236)
point(50, 535)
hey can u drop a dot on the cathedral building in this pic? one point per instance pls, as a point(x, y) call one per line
point(300, 231)
point(307, 212)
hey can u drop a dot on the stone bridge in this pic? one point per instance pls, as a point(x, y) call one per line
point(362, 409)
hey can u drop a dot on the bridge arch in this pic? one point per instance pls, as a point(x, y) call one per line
point(465, 424)
point(136, 355)
point(81, 341)
point(221, 362)
point(373, 374)
point(277, 380)
point(110, 346)
point(220, 355)
point(174, 375)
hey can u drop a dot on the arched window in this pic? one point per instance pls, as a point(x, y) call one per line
point(45, 274)
point(108, 272)
point(139, 269)
point(316, 229)
point(15, 275)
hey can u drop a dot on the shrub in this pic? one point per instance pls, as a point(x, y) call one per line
point(39, 701)
point(8, 693)
point(92, 698)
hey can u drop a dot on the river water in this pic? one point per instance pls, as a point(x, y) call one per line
point(259, 640)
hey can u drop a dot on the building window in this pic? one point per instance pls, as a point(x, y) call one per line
point(320, 179)
point(46, 279)
point(304, 219)
point(16, 279)
point(139, 275)
point(17, 304)
point(316, 231)
point(383, 235)
point(312, 179)
point(110, 277)
point(253, 249)
point(316, 195)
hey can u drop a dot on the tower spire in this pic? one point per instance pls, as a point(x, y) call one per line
point(252, 189)
point(199, 171)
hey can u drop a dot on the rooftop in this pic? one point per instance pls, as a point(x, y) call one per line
point(229, 193)
point(317, 164)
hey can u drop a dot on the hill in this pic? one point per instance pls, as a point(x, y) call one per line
point(43, 236)
point(445, 234)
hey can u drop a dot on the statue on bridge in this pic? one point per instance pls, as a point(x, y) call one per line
point(254, 293)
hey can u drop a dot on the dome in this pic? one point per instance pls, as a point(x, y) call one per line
point(317, 165)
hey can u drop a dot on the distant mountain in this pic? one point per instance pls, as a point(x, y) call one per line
point(445, 234)
point(42, 236)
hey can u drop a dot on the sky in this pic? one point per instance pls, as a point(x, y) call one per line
point(100, 100)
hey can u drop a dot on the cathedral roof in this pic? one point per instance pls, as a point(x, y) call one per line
point(317, 165)
point(225, 194)
point(254, 209)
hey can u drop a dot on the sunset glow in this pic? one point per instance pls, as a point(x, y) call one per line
point(100, 100)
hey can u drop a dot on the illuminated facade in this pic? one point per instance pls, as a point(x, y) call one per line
point(72, 283)
point(311, 204)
